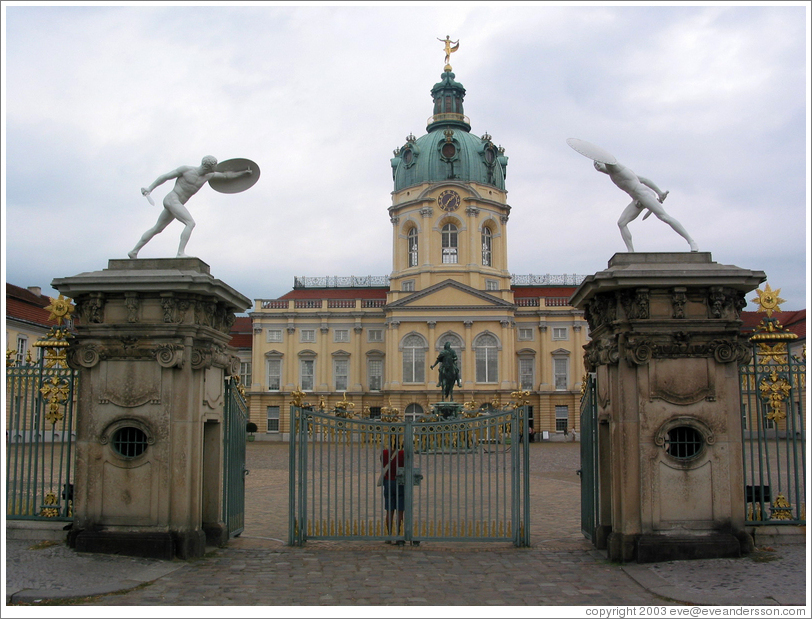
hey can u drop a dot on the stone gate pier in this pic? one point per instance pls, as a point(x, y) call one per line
point(665, 348)
point(151, 349)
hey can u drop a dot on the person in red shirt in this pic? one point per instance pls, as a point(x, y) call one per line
point(393, 492)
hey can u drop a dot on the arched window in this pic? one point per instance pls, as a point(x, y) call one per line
point(412, 246)
point(414, 359)
point(486, 351)
point(487, 245)
point(449, 235)
point(413, 412)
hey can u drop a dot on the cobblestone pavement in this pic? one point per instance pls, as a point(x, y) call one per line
point(560, 568)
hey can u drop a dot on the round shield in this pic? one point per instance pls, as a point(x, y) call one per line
point(235, 185)
point(587, 149)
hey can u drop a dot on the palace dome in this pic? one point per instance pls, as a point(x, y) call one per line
point(448, 151)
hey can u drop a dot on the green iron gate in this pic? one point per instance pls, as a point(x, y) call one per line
point(40, 432)
point(236, 420)
point(461, 479)
point(773, 393)
point(589, 459)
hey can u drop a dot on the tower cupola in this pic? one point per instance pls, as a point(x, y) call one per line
point(448, 111)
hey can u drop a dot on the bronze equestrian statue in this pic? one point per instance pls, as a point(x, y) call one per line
point(449, 372)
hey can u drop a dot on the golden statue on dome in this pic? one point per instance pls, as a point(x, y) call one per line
point(450, 48)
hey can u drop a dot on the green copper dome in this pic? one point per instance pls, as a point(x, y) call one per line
point(448, 151)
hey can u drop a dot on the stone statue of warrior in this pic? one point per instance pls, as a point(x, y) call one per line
point(449, 372)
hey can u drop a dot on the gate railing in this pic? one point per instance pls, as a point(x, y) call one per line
point(463, 479)
point(589, 458)
point(40, 432)
point(773, 394)
point(236, 419)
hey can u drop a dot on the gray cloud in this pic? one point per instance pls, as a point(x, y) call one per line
point(710, 102)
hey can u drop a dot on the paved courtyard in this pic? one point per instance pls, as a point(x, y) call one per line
point(555, 500)
point(257, 569)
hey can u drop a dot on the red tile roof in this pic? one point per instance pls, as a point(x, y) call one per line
point(242, 332)
point(24, 305)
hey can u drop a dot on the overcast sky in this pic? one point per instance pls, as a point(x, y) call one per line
point(710, 102)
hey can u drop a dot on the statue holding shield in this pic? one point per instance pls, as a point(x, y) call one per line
point(229, 176)
point(643, 192)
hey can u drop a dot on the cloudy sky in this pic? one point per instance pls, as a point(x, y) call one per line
point(708, 101)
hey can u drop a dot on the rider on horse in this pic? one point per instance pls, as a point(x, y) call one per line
point(449, 371)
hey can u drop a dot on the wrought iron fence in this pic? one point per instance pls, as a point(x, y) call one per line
point(460, 479)
point(234, 471)
point(589, 458)
point(773, 393)
point(40, 433)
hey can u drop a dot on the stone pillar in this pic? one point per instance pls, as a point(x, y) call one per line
point(665, 346)
point(152, 353)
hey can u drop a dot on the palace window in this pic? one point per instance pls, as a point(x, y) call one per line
point(274, 374)
point(22, 348)
point(307, 335)
point(486, 351)
point(274, 335)
point(487, 244)
point(374, 335)
point(525, 334)
point(375, 370)
point(562, 417)
point(407, 285)
point(273, 419)
point(412, 245)
point(413, 412)
point(341, 373)
point(449, 237)
point(307, 374)
point(341, 335)
point(561, 373)
point(245, 374)
point(414, 359)
point(526, 373)
point(560, 333)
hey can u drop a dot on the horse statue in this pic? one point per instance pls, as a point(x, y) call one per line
point(449, 372)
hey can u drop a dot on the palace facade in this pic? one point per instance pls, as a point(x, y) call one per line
point(373, 340)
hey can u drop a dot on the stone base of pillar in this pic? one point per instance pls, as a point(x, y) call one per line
point(652, 548)
point(601, 537)
point(216, 534)
point(151, 545)
point(656, 548)
point(189, 544)
point(621, 548)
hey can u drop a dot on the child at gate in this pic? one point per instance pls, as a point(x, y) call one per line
point(393, 492)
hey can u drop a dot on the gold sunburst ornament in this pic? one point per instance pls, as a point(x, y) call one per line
point(61, 309)
point(768, 300)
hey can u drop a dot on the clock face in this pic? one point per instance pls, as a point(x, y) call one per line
point(449, 200)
